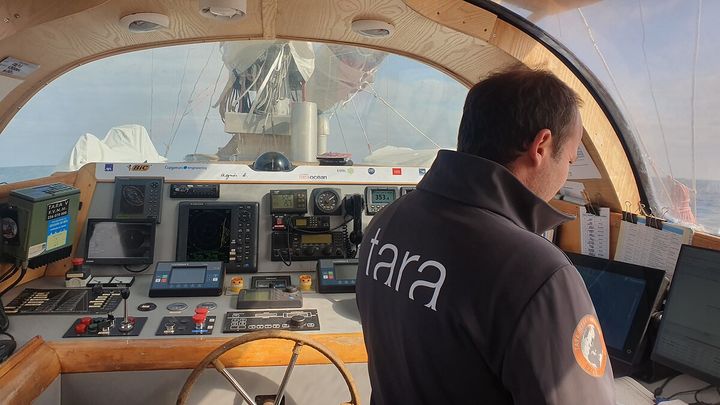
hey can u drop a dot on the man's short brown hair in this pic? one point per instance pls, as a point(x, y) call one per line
point(504, 113)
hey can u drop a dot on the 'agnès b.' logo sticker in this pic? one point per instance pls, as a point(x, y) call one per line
point(588, 346)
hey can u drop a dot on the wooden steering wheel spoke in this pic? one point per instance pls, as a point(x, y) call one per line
point(219, 366)
point(213, 358)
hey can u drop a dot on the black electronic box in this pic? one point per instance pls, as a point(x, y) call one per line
point(187, 279)
point(138, 198)
point(336, 275)
point(269, 298)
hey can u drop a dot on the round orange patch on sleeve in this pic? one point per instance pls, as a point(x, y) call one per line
point(588, 346)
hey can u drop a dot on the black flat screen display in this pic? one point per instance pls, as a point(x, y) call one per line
point(209, 234)
point(118, 241)
point(688, 339)
point(624, 296)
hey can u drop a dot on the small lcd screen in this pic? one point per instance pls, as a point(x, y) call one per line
point(187, 275)
point(346, 271)
point(208, 235)
point(301, 222)
point(283, 201)
point(323, 238)
point(120, 241)
point(689, 336)
point(256, 295)
point(616, 298)
point(382, 196)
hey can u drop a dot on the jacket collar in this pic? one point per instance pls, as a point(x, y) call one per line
point(483, 183)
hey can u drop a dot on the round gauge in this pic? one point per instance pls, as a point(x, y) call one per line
point(327, 201)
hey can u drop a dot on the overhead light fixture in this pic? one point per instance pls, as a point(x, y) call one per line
point(145, 22)
point(372, 28)
point(223, 9)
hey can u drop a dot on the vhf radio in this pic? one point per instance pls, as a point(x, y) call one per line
point(299, 237)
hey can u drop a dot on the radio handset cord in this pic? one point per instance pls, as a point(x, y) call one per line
point(354, 207)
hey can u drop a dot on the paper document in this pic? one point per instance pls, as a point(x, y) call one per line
point(646, 246)
point(584, 167)
point(595, 233)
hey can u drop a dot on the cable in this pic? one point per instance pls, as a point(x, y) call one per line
point(280, 253)
point(658, 391)
point(688, 392)
point(23, 271)
point(8, 274)
point(698, 401)
point(125, 266)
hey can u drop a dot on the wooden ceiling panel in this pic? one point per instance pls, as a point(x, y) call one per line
point(464, 57)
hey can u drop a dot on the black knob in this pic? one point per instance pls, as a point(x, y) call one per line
point(327, 250)
point(290, 289)
point(297, 252)
point(310, 251)
point(297, 321)
point(125, 293)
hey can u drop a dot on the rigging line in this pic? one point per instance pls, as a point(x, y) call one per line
point(692, 104)
point(152, 89)
point(361, 124)
point(342, 134)
point(652, 90)
point(638, 136)
point(374, 93)
point(182, 81)
point(210, 103)
point(189, 103)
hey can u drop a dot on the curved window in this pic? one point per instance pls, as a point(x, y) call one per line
point(658, 59)
point(232, 101)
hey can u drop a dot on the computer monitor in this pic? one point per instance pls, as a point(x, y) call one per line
point(688, 338)
point(120, 241)
point(624, 296)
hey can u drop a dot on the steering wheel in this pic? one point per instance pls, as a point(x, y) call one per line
point(300, 340)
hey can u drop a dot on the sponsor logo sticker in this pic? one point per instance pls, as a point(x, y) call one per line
point(588, 346)
point(108, 167)
point(143, 167)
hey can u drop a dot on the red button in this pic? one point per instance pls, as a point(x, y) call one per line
point(201, 310)
point(78, 261)
point(80, 328)
point(199, 318)
point(86, 320)
point(396, 171)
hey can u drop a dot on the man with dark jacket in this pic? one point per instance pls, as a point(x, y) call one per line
point(461, 300)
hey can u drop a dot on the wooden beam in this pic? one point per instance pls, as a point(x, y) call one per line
point(269, 18)
point(86, 355)
point(25, 375)
point(458, 15)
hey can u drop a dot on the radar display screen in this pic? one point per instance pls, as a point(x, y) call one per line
point(209, 234)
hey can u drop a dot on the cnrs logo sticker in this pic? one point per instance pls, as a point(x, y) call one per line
point(588, 346)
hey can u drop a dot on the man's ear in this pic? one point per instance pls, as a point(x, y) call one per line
point(541, 147)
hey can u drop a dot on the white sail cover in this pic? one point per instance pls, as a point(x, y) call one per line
point(126, 143)
point(401, 156)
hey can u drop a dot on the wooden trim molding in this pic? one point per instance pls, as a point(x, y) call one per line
point(25, 375)
point(98, 355)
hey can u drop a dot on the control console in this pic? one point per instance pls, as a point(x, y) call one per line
point(249, 321)
point(187, 279)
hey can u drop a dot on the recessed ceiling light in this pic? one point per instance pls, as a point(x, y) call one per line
point(223, 9)
point(372, 28)
point(145, 22)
